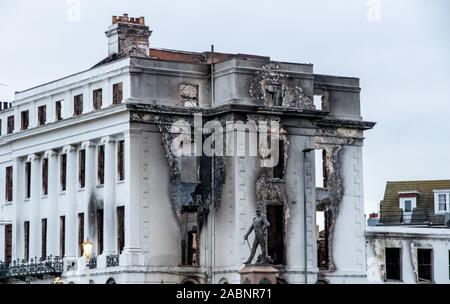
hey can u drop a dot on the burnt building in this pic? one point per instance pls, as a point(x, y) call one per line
point(160, 158)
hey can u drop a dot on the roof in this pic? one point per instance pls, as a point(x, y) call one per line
point(186, 56)
point(424, 212)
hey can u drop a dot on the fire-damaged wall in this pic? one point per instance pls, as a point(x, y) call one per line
point(206, 204)
point(396, 254)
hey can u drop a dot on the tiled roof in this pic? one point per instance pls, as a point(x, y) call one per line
point(424, 212)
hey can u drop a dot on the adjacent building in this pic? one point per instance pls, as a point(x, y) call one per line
point(91, 157)
point(411, 242)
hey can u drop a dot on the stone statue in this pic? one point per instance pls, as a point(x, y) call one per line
point(260, 226)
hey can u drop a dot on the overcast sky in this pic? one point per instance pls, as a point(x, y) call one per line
point(401, 55)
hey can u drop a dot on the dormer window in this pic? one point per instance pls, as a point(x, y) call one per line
point(441, 201)
point(407, 203)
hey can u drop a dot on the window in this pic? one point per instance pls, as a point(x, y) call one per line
point(408, 206)
point(58, 110)
point(62, 236)
point(189, 236)
point(99, 231)
point(322, 240)
point(425, 268)
point(278, 170)
point(117, 93)
point(25, 122)
point(408, 203)
point(97, 99)
point(62, 172)
point(8, 243)
point(80, 233)
point(10, 125)
point(189, 95)
point(81, 168)
point(318, 102)
point(42, 115)
point(120, 229)
point(78, 105)
point(393, 264)
point(320, 168)
point(121, 160)
point(101, 165)
point(45, 177)
point(44, 239)
point(26, 238)
point(441, 201)
point(9, 184)
point(27, 180)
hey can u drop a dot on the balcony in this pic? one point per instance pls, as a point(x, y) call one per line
point(50, 266)
point(112, 261)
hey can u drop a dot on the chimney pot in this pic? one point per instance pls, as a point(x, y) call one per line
point(142, 20)
point(132, 20)
point(125, 17)
point(114, 19)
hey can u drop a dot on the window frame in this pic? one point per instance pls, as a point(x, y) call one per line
point(386, 279)
point(9, 184)
point(41, 115)
point(24, 120)
point(431, 264)
point(437, 193)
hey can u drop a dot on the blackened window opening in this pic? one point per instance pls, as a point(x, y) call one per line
point(120, 229)
point(424, 261)
point(189, 236)
point(82, 168)
point(101, 165)
point(45, 176)
point(121, 160)
point(27, 180)
point(393, 264)
point(42, 115)
point(62, 172)
point(44, 239)
point(9, 184)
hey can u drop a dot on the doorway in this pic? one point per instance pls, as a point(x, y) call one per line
point(275, 239)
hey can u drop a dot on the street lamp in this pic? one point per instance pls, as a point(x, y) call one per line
point(87, 249)
point(87, 253)
point(305, 232)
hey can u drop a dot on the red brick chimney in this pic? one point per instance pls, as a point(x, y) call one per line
point(128, 36)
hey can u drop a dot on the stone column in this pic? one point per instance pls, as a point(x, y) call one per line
point(132, 253)
point(53, 219)
point(90, 201)
point(71, 190)
point(35, 200)
point(17, 233)
point(109, 201)
point(300, 179)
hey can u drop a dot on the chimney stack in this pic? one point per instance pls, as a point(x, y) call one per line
point(128, 36)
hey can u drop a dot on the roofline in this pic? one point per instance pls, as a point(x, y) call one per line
point(421, 181)
point(71, 75)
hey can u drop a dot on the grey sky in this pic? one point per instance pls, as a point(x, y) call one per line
point(403, 60)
